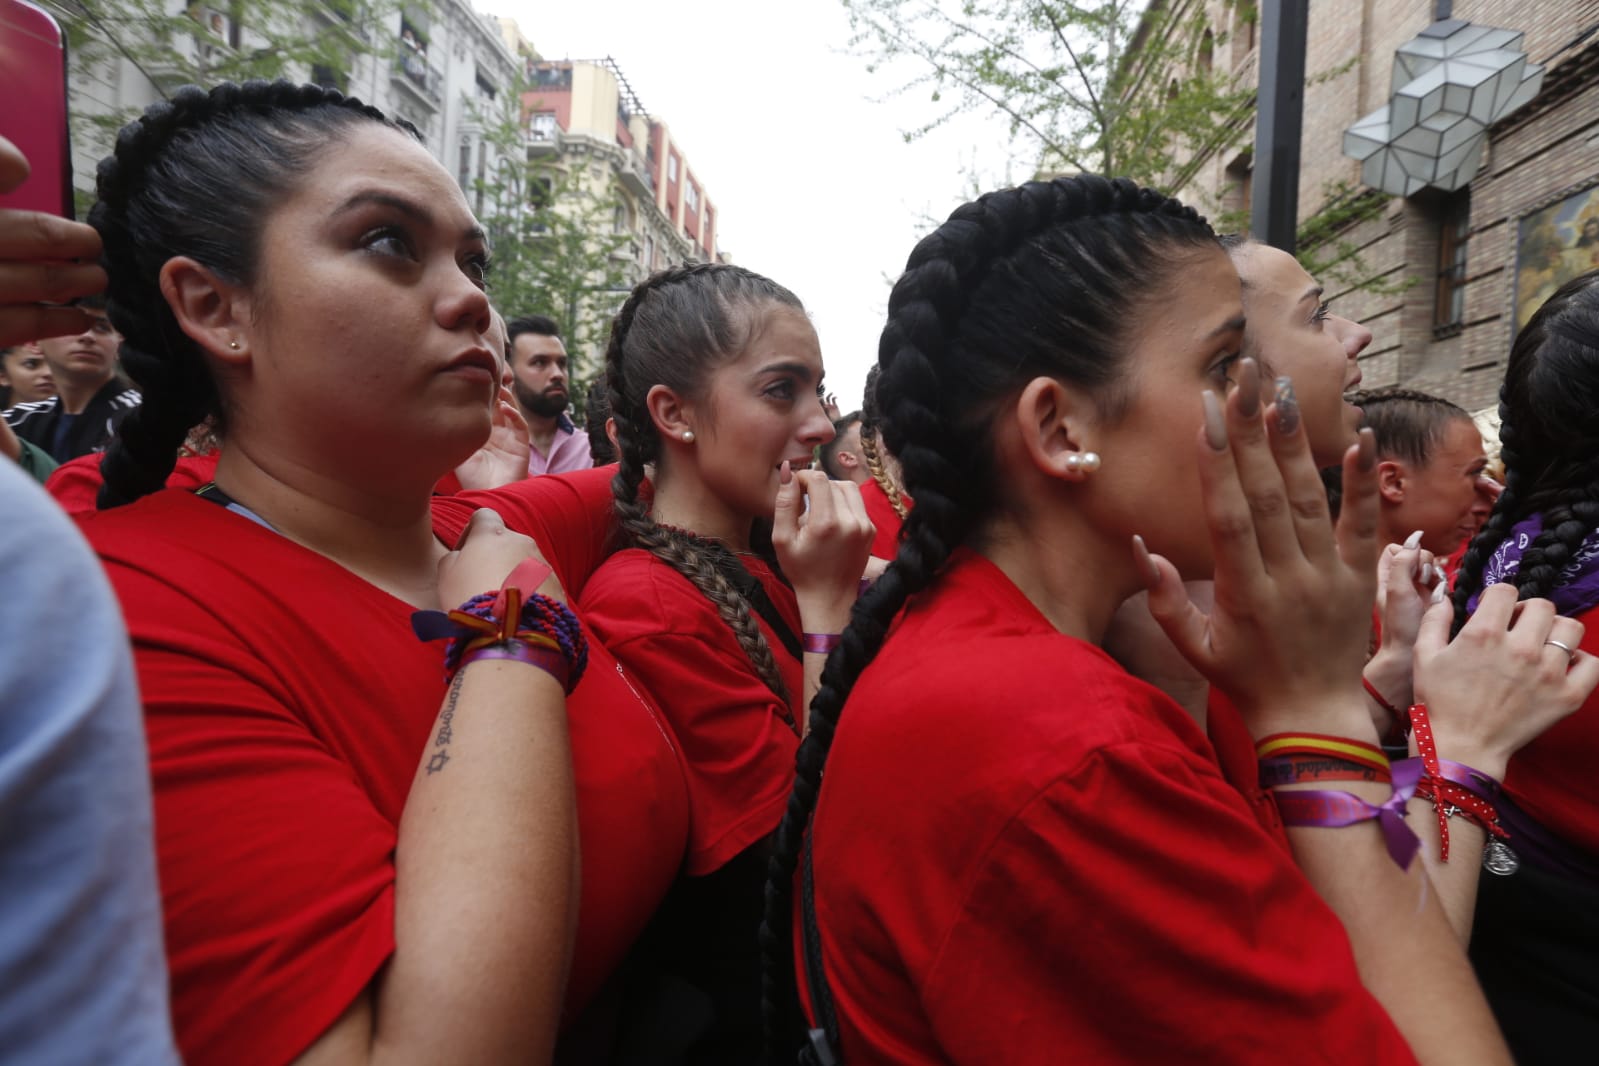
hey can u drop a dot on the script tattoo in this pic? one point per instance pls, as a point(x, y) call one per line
point(446, 731)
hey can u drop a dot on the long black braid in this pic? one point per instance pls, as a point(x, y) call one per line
point(1040, 280)
point(675, 327)
point(196, 175)
point(1550, 444)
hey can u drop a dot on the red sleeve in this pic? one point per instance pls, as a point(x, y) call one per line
point(1216, 949)
point(276, 869)
point(738, 752)
point(571, 516)
point(76, 483)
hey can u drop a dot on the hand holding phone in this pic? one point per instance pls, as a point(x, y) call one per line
point(44, 261)
point(33, 82)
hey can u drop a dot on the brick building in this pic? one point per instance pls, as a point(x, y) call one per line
point(1450, 262)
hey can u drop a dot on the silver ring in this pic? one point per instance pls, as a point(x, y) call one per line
point(1571, 653)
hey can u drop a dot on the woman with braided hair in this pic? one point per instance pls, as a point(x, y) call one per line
point(1430, 464)
point(739, 570)
point(886, 504)
point(1536, 938)
point(1009, 850)
point(367, 844)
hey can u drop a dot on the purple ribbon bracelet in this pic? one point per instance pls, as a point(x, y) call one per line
point(1336, 809)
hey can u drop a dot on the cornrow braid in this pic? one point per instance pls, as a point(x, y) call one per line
point(673, 328)
point(1038, 280)
point(196, 175)
point(869, 451)
point(1407, 423)
point(1550, 444)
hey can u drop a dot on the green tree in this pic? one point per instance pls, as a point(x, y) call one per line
point(552, 223)
point(1117, 86)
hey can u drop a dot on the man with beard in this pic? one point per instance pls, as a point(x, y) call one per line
point(90, 402)
point(538, 364)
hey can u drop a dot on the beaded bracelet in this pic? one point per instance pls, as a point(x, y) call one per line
point(1337, 809)
point(503, 619)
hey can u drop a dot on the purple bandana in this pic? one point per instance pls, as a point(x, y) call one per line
point(1577, 588)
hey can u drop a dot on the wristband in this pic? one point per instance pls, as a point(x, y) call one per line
point(1355, 751)
point(1336, 809)
point(821, 643)
point(498, 618)
point(1305, 769)
point(548, 659)
point(1401, 720)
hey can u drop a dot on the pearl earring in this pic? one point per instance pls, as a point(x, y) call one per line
point(688, 436)
point(234, 345)
point(1086, 463)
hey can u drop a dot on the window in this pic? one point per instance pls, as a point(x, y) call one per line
point(541, 191)
point(1454, 229)
point(1207, 52)
point(671, 168)
point(463, 171)
point(542, 127)
point(328, 77)
point(691, 196)
point(485, 87)
point(648, 257)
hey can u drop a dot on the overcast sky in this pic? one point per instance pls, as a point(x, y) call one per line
point(793, 140)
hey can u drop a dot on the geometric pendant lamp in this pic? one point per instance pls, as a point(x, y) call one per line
point(1450, 84)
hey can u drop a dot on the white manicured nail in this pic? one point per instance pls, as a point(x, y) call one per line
point(1413, 541)
point(1440, 593)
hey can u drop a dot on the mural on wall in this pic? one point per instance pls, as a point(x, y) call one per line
point(1554, 245)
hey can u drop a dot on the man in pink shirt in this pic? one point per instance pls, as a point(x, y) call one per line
point(538, 364)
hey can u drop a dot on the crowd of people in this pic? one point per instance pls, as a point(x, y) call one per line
point(1117, 685)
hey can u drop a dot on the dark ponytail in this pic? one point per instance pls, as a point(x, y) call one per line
point(1549, 444)
point(197, 176)
point(675, 328)
point(1041, 280)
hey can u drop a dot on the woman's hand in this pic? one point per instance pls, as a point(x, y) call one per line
point(1501, 681)
point(504, 456)
point(484, 557)
point(1287, 635)
point(44, 261)
point(823, 549)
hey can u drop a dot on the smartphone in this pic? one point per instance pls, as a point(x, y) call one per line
point(33, 106)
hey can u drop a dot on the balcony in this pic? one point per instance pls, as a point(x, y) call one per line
point(412, 72)
point(635, 179)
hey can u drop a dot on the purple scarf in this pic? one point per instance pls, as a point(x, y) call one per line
point(1577, 587)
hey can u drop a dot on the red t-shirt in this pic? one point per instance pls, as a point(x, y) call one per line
point(1552, 778)
point(738, 752)
point(885, 543)
point(1024, 855)
point(76, 483)
point(286, 705)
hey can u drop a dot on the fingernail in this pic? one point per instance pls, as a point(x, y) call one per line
point(1248, 388)
point(1426, 574)
point(1413, 541)
point(1366, 458)
point(1215, 425)
point(1145, 563)
point(1440, 593)
point(1287, 406)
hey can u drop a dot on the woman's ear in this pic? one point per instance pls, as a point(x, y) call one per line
point(672, 417)
point(1391, 480)
point(1052, 424)
point(214, 313)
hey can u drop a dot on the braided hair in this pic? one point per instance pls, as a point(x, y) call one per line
point(1046, 279)
point(1549, 444)
point(1407, 424)
point(869, 447)
point(675, 328)
point(196, 175)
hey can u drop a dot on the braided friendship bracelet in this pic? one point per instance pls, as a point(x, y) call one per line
point(532, 632)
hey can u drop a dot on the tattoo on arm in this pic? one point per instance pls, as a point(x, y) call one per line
point(446, 731)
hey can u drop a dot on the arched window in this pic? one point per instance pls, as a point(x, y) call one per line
point(1207, 52)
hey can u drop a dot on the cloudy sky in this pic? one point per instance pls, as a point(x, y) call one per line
point(796, 142)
